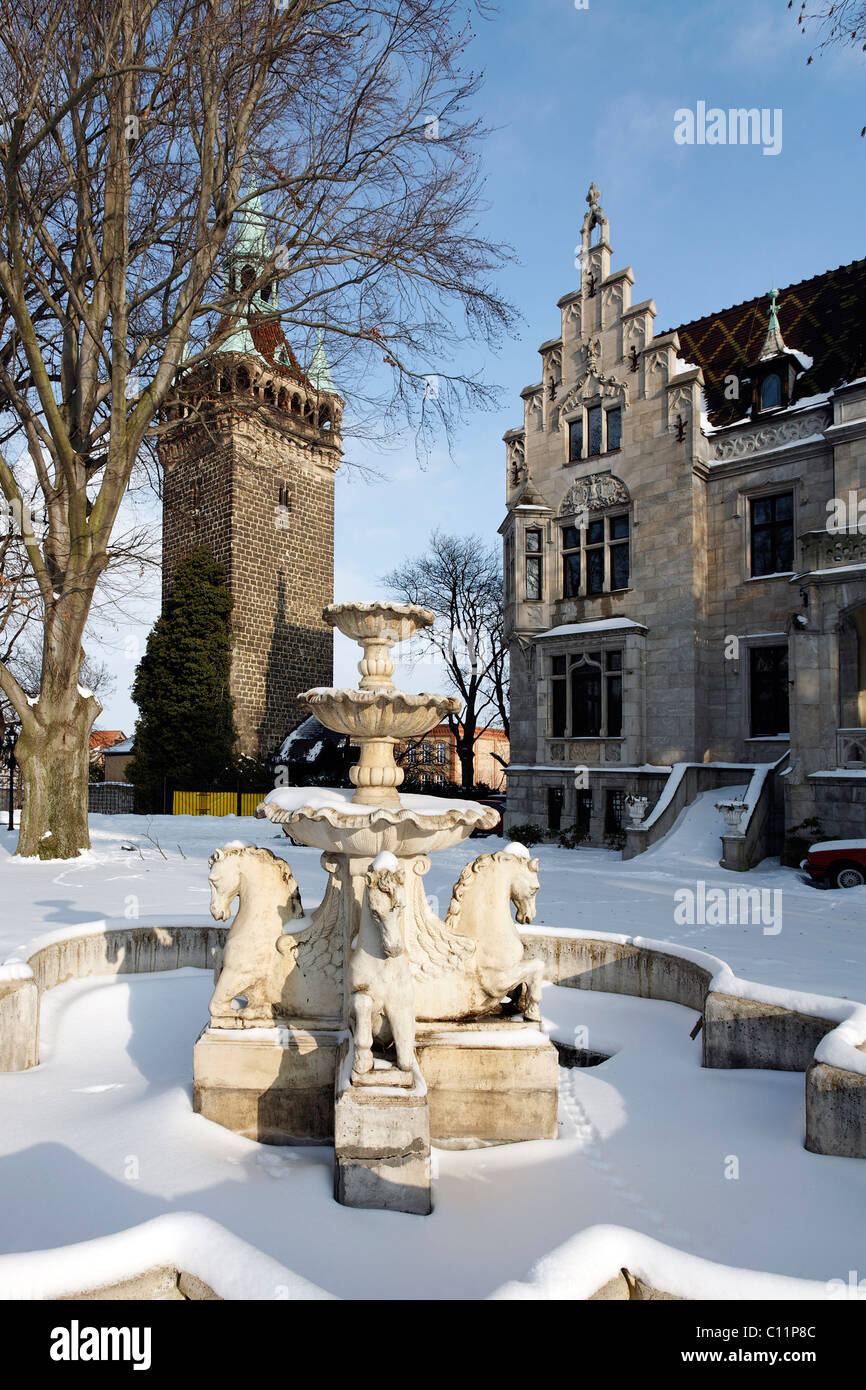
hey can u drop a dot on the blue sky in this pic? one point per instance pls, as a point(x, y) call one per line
point(576, 95)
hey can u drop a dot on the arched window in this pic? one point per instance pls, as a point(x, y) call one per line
point(296, 404)
point(248, 277)
point(324, 418)
point(771, 391)
point(269, 393)
point(283, 399)
point(243, 379)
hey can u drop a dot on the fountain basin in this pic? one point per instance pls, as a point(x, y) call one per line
point(327, 819)
point(378, 713)
point(385, 623)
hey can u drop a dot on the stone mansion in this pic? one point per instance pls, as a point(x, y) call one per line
point(685, 554)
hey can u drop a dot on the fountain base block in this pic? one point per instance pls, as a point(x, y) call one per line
point(274, 1085)
point(489, 1082)
point(495, 1081)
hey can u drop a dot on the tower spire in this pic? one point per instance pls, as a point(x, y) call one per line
point(252, 241)
point(319, 371)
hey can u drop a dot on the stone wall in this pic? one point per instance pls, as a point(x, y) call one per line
point(743, 1024)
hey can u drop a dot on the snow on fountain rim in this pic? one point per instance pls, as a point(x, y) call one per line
point(387, 697)
point(323, 803)
point(403, 610)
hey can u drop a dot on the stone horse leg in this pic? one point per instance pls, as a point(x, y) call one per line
point(380, 978)
point(526, 996)
point(362, 1030)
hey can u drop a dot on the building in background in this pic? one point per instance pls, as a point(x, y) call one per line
point(433, 760)
point(115, 760)
point(685, 551)
point(249, 471)
point(101, 740)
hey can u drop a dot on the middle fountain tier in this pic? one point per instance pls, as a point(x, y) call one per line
point(373, 1023)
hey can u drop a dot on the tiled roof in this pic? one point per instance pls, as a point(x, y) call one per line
point(104, 738)
point(268, 338)
point(824, 317)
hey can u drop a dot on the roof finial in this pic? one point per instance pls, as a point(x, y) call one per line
point(593, 218)
point(774, 343)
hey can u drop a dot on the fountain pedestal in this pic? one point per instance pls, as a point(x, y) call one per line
point(375, 1025)
point(381, 1142)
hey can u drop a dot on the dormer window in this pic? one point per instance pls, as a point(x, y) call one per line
point(771, 391)
point(774, 375)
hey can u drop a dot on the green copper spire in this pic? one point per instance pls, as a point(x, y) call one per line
point(252, 242)
point(319, 371)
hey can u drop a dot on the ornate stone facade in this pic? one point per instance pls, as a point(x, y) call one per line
point(674, 591)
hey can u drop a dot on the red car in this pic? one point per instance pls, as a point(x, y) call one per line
point(841, 863)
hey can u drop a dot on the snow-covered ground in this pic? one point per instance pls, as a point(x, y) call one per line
point(102, 1138)
point(657, 1157)
point(821, 947)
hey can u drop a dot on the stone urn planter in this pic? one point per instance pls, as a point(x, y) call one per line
point(637, 809)
point(733, 812)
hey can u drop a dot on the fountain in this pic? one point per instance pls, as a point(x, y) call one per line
point(372, 1024)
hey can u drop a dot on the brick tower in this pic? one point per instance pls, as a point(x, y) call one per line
point(249, 470)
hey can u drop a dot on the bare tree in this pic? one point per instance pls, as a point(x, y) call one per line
point(128, 133)
point(459, 579)
point(839, 23)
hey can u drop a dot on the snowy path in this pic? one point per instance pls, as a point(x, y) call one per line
point(102, 1137)
point(821, 947)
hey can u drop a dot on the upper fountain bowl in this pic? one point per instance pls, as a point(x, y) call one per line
point(378, 714)
point(388, 623)
point(328, 819)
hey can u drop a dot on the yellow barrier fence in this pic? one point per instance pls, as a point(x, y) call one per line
point(215, 803)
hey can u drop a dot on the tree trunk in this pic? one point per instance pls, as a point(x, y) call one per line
point(54, 766)
point(467, 764)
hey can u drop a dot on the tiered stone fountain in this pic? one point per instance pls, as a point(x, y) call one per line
point(373, 1024)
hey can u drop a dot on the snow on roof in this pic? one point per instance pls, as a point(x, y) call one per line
point(838, 569)
point(310, 731)
point(596, 625)
point(125, 745)
point(855, 772)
